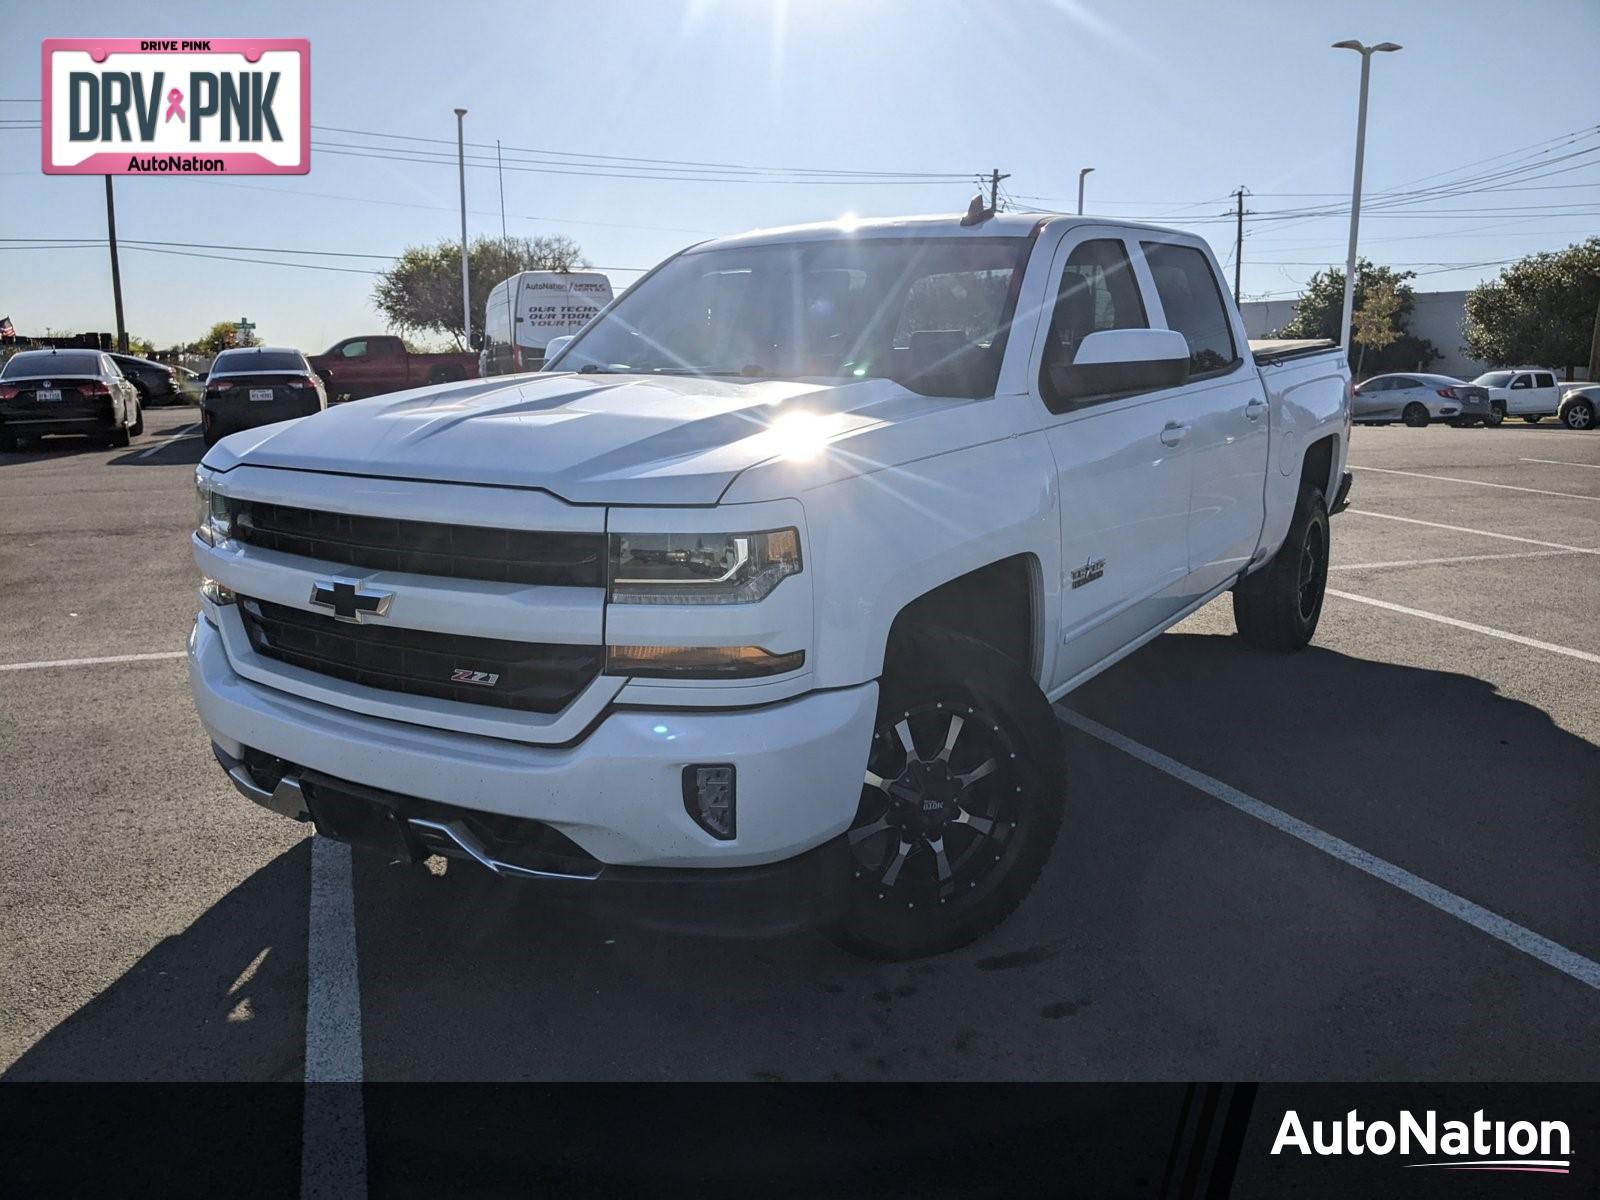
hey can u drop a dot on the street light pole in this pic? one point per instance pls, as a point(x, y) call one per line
point(116, 270)
point(466, 276)
point(1081, 175)
point(1366, 53)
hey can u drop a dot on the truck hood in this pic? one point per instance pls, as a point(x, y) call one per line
point(590, 439)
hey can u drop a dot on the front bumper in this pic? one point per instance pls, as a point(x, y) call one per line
point(616, 792)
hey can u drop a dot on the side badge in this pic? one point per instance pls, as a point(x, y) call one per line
point(1091, 570)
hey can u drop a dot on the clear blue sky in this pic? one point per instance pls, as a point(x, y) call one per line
point(1173, 104)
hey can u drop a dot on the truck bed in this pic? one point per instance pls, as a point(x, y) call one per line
point(1268, 351)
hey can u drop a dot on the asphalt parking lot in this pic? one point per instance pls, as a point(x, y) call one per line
point(1371, 860)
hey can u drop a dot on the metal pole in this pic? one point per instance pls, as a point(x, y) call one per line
point(1238, 241)
point(466, 274)
point(1355, 204)
point(116, 271)
point(501, 173)
point(1081, 176)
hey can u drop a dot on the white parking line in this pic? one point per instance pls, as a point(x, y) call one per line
point(91, 662)
point(1454, 558)
point(162, 443)
point(1506, 537)
point(1505, 487)
point(1551, 647)
point(1568, 962)
point(1561, 462)
point(333, 1146)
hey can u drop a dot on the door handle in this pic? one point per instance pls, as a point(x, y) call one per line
point(1254, 407)
point(1173, 433)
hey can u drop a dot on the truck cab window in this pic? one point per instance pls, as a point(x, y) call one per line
point(1193, 303)
point(354, 349)
point(1098, 291)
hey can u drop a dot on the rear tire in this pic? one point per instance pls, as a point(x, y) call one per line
point(210, 433)
point(1278, 607)
point(1579, 415)
point(137, 428)
point(1415, 415)
point(948, 839)
point(1497, 413)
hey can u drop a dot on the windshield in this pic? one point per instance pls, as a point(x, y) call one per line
point(930, 313)
point(1494, 378)
point(42, 364)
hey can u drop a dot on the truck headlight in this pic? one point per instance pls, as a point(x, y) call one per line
point(214, 521)
point(701, 568)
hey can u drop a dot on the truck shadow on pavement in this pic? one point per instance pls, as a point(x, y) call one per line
point(222, 1000)
point(185, 450)
point(1100, 973)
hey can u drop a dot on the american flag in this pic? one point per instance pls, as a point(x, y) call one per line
point(7, 329)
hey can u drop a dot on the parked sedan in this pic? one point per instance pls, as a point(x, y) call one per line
point(1579, 407)
point(157, 382)
point(258, 386)
point(1419, 399)
point(67, 391)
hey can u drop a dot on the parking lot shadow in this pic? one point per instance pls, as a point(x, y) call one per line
point(179, 451)
point(223, 1000)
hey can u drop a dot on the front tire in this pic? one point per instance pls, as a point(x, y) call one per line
point(1278, 607)
point(1497, 413)
point(962, 801)
point(1579, 415)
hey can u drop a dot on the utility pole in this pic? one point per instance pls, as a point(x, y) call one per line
point(500, 171)
point(1238, 240)
point(466, 276)
point(116, 271)
point(1082, 175)
point(994, 189)
point(1594, 349)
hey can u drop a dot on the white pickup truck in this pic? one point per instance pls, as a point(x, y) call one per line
point(750, 612)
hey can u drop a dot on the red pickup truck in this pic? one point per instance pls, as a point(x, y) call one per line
point(379, 363)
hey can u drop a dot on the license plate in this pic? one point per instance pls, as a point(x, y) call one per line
point(261, 393)
point(45, 395)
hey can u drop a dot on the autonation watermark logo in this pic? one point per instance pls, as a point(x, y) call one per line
point(1480, 1144)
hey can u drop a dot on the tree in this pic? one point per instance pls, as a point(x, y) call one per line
point(422, 291)
point(142, 347)
point(1318, 312)
point(1373, 324)
point(1540, 311)
point(223, 336)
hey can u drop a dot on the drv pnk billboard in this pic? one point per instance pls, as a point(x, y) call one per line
point(151, 106)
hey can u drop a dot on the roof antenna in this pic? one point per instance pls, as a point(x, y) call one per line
point(977, 213)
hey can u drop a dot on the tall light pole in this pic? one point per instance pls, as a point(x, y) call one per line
point(466, 276)
point(1081, 175)
point(1366, 53)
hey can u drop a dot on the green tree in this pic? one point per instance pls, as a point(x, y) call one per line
point(223, 336)
point(1373, 325)
point(1540, 311)
point(1320, 307)
point(422, 291)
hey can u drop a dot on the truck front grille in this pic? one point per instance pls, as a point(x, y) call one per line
point(531, 676)
point(425, 547)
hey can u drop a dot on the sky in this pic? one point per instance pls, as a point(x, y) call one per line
point(1174, 104)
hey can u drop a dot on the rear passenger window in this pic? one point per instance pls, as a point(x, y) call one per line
point(1194, 305)
point(1544, 379)
point(1098, 292)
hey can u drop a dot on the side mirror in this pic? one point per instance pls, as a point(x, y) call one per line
point(476, 341)
point(1123, 360)
point(554, 347)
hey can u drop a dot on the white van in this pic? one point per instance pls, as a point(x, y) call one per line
point(532, 307)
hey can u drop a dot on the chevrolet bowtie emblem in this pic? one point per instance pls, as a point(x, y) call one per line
point(349, 600)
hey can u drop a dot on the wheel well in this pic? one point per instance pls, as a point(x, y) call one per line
point(1317, 470)
point(994, 604)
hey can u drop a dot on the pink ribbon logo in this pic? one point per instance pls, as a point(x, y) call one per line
point(175, 105)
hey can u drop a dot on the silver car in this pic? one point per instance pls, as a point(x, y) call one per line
point(1419, 399)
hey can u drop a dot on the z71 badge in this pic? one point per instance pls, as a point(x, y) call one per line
point(481, 678)
point(1089, 572)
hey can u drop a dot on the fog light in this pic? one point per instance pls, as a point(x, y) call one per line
point(215, 592)
point(708, 795)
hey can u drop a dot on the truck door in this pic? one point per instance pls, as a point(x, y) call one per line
point(1122, 467)
point(1520, 397)
point(1224, 404)
point(1546, 395)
